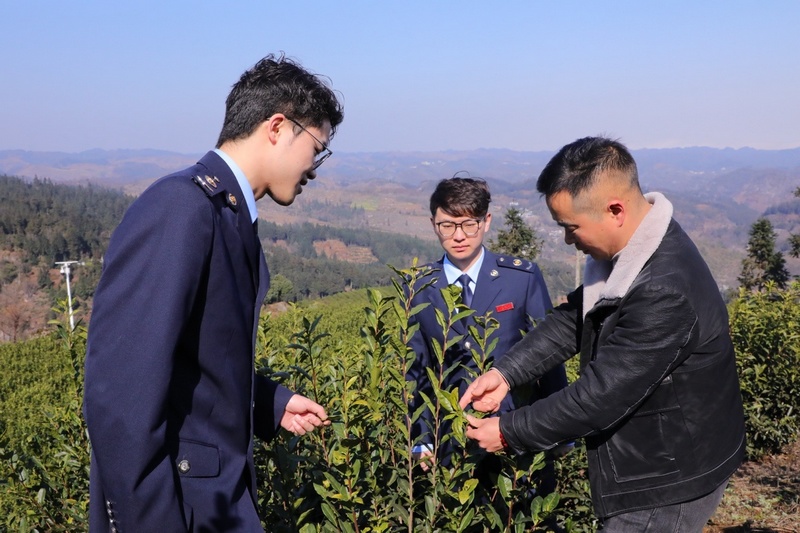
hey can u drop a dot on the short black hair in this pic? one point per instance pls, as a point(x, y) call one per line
point(278, 85)
point(576, 167)
point(461, 197)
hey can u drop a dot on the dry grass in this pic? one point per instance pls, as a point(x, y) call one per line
point(763, 496)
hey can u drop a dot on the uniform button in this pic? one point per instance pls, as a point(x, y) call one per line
point(467, 345)
point(184, 466)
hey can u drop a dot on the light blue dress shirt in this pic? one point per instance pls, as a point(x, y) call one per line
point(452, 272)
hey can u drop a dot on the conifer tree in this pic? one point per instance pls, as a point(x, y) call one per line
point(518, 238)
point(763, 263)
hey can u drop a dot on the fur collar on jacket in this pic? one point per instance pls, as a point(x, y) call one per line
point(612, 279)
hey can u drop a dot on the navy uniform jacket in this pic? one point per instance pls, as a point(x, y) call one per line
point(171, 398)
point(512, 290)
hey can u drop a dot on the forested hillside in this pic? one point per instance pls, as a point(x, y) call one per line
point(42, 222)
point(45, 220)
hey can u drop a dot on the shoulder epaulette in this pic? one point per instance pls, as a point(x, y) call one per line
point(211, 186)
point(508, 261)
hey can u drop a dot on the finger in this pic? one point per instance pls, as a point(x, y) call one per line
point(485, 405)
point(318, 410)
point(473, 422)
point(470, 394)
point(470, 433)
point(309, 422)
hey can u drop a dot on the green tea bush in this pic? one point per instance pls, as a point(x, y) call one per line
point(359, 475)
point(765, 327)
point(349, 353)
point(44, 447)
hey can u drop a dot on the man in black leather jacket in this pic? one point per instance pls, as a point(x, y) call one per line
point(658, 399)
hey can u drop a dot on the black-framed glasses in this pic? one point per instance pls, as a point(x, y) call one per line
point(324, 154)
point(470, 227)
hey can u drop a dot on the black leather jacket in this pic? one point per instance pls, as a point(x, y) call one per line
point(658, 399)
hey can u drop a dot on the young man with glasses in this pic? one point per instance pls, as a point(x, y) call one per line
point(171, 397)
point(512, 290)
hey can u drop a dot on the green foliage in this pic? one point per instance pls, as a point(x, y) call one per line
point(349, 352)
point(518, 238)
point(763, 263)
point(359, 474)
point(575, 512)
point(765, 328)
point(45, 459)
point(57, 222)
point(280, 287)
point(291, 254)
point(316, 277)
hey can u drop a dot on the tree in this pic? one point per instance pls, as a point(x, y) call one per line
point(518, 238)
point(763, 263)
point(280, 287)
point(794, 239)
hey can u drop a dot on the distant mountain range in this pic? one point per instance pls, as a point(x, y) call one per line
point(677, 168)
point(717, 193)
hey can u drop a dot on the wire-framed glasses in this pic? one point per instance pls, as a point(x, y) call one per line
point(323, 154)
point(470, 227)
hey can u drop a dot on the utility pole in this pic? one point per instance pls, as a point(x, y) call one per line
point(65, 269)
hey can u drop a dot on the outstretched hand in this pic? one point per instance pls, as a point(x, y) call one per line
point(303, 415)
point(486, 392)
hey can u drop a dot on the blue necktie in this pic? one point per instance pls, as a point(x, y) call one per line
point(466, 292)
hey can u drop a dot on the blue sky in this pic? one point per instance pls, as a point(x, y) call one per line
point(415, 75)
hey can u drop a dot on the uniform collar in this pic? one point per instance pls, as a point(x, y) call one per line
point(247, 190)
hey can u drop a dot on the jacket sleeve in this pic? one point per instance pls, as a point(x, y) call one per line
point(538, 306)
point(151, 275)
point(271, 399)
point(653, 334)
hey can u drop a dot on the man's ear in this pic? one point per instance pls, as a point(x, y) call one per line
point(487, 222)
point(617, 211)
point(273, 127)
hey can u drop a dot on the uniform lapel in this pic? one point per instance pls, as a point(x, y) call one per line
point(487, 287)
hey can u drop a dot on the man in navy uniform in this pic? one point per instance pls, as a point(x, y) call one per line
point(171, 397)
point(511, 290)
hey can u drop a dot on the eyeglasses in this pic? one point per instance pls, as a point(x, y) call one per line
point(470, 227)
point(324, 154)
